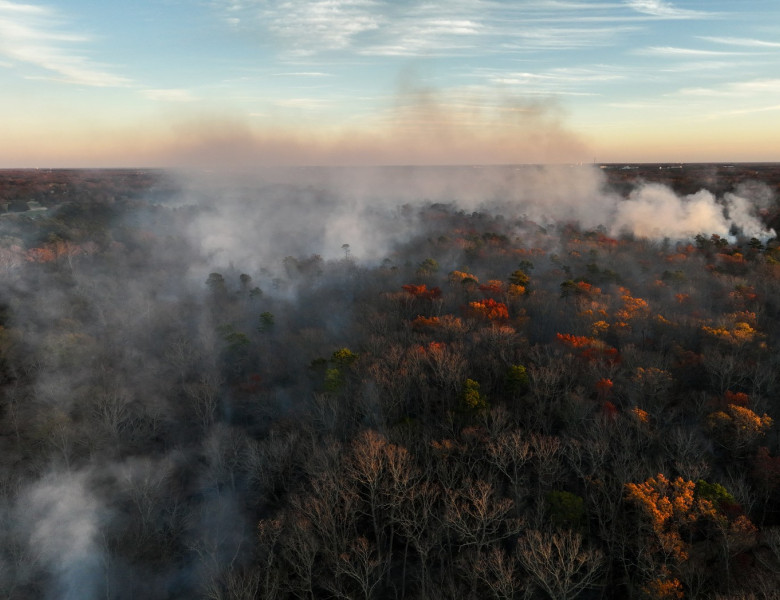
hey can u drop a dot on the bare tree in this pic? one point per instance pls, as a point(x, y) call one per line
point(687, 450)
point(237, 584)
point(420, 524)
point(204, 399)
point(499, 572)
point(112, 409)
point(300, 548)
point(726, 370)
point(546, 459)
point(182, 355)
point(366, 467)
point(362, 565)
point(559, 563)
point(510, 453)
point(478, 516)
point(448, 366)
point(331, 508)
point(268, 537)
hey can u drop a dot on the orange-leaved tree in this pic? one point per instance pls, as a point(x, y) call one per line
point(421, 291)
point(681, 514)
point(669, 507)
point(488, 309)
point(591, 349)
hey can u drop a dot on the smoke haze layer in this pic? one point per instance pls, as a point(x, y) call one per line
point(169, 352)
point(306, 211)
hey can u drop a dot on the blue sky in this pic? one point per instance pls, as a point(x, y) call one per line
point(189, 82)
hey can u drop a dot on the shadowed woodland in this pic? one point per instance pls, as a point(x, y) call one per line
point(493, 404)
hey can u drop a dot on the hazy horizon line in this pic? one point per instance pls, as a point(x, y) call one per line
point(202, 169)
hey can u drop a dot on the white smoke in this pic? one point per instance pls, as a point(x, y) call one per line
point(654, 211)
point(742, 214)
point(63, 521)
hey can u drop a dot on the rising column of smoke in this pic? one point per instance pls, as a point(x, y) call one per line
point(61, 520)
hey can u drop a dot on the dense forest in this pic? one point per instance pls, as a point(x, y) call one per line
point(395, 383)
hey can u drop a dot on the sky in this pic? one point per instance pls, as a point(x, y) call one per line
point(240, 83)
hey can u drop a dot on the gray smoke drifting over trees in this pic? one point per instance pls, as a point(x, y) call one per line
point(170, 359)
point(316, 211)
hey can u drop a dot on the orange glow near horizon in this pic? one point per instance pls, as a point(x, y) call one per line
point(438, 138)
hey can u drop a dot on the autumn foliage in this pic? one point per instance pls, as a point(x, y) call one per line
point(422, 292)
point(487, 309)
point(588, 348)
point(670, 508)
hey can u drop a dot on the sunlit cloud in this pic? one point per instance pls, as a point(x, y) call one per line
point(34, 36)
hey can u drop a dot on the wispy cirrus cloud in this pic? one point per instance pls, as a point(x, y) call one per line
point(431, 36)
point(674, 51)
point(738, 89)
point(708, 66)
point(403, 28)
point(558, 82)
point(665, 10)
point(306, 26)
point(32, 35)
point(563, 37)
point(742, 42)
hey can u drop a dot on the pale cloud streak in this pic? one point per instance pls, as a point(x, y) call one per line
point(745, 111)
point(33, 35)
point(743, 42)
point(673, 51)
point(555, 82)
point(168, 95)
point(741, 89)
point(665, 10)
point(706, 66)
point(303, 74)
